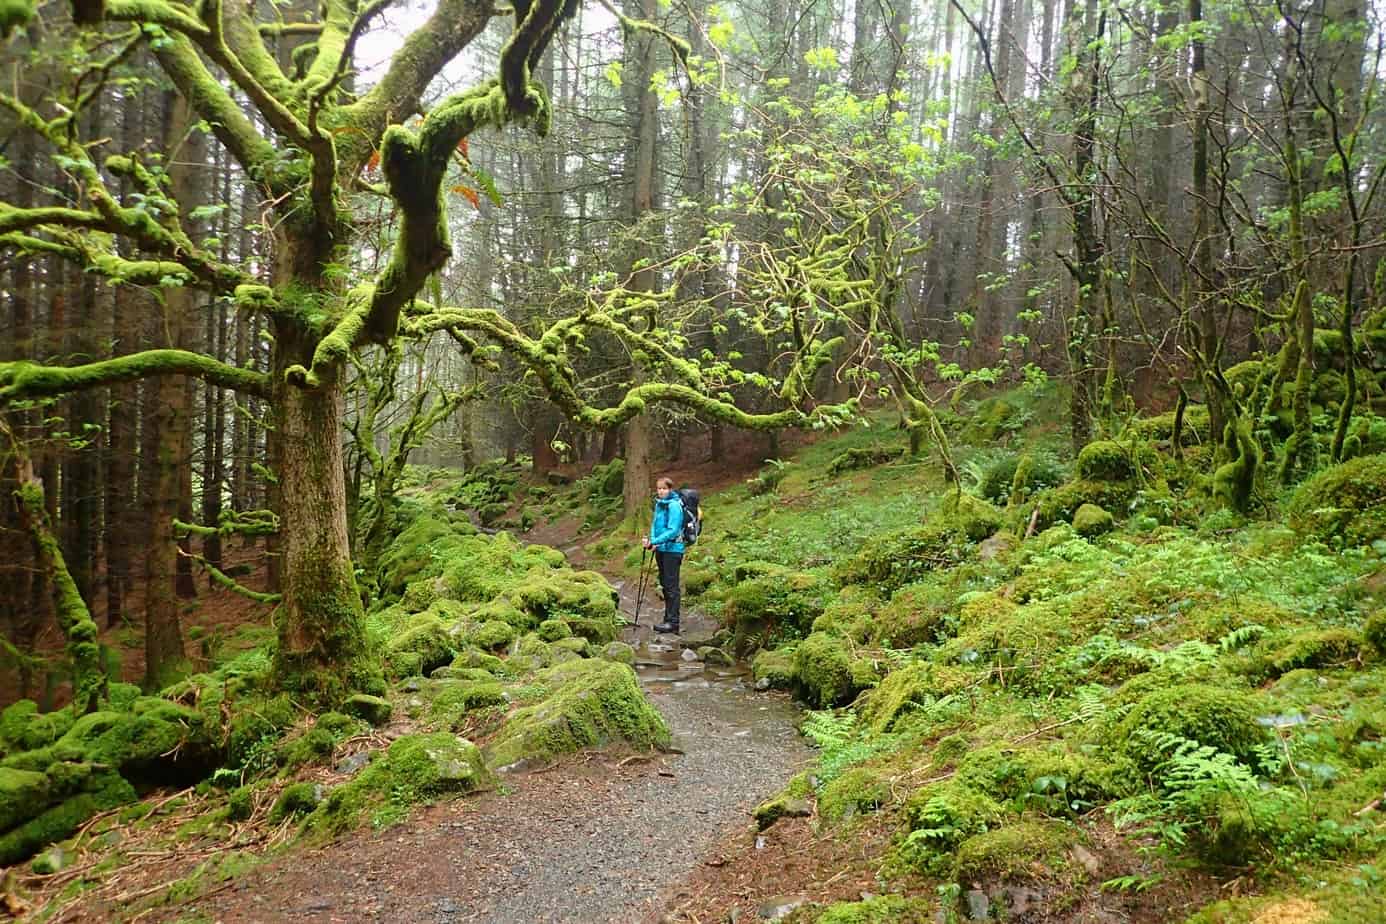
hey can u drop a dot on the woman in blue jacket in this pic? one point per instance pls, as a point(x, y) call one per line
point(666, 538)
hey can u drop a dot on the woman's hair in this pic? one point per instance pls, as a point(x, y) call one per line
point(665, 482)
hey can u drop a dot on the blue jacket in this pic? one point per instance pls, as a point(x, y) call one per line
point(666, 532)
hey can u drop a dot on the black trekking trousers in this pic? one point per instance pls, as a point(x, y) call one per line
point(669, 565)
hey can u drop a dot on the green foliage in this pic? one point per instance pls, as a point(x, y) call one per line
point(296, 799)
point(858, 458)
point(1090, 521)
point(1020, 851)
point(1345, 503)
point(1105, 460)
point(823, 671)
point(884, 909)
point(1219, 717)
point(1000, 475)
point(939, 818)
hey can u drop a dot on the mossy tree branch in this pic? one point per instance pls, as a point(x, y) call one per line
point(26, 380)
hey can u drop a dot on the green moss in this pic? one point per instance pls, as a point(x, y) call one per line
point(415, 769)
point(551, 630)
point(104, 789)
point(859, 457)
point(857, 791)
point(1059, 505)
point(1346, 502)
point(916, 614)
point(697, 581)
point(24, 728)
point(454, 699)
point(592, 703)
point(909, 687)
point(773, 669)
point(339, 725)
point(1216, 716)
point(885, 909)
point(314, 746)
point(1161, 426)
point(1025, 850)
point(475, 659)
point(971, 516)
point(888, 561)
point(23, 794)
point(1052, 777)
point(1090, 521)
point(240, 803)
point(788, 804)
point(493, 635)
point(1374, 631)
point(777, 603)
point(1106, 460)
point(1315, 648)
point(619, 652)
point(938, 818)
point(296, 799)
point(373, 709)
point(423, 646)
point(163, 743)
point(823, 675)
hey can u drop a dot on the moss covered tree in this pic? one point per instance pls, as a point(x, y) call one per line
point(322, 145)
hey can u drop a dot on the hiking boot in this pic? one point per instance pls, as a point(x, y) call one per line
point(667, 627)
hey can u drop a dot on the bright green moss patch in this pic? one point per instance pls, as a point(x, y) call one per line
point(102, 789)
point(823, 674)
point(885, 909)
point(593, 703)
point(914, 615)
point(493, 635)
point(423, 646)
point(372, 709)
point(23, 794)
point(857, 791)
point(551, 630)
point(314, 746)
point(911, 687)
point(24, 728)
point(1216, 716)
point(775, 603)
point(1317, 648)
point(415, 769)
point(938, 818)
point(453, 700)
point(1024, 850)
point(1090, 521)
point(891, 560)
point(773, 669)
point(1059, 505)
point(296, 799)
point(1105, 460)
point(1346, 503)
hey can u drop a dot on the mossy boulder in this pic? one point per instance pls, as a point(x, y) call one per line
point(453, 700)
point(773, 669)
point(1021, 851)
point(905, 689)
point(592, 703)
point(296, 799)
point(161, 744)
point(372, 709)
point(551, 630)
point(970, 515)
point(891, 560)
point(915, 615)
point(1091, 521)
point(1059, 505)
point(823, 671)
point(1346, 502)
point(1161, 427)
point(563, 593)
point(859, 457)
point(314, 746)
point(1217, 716)
point(857, 791)
point(414, 769)
point(619, 652)
point(22, 793)
point(1374, 631)
point(697, 581)
point(851, 614)
point(493, 635)
point(1106, 460)
point(778, 602)
point(482, 568)
point(423, 646)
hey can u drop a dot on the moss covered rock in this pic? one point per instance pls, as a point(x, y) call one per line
point(1374, 631)
point(857, 791)
point(888, 561)
point(314, 746)
point(905, 689)
point(551, 630)
point(1216, 716)
point(493, 635)
point(823, 674)
point(619, 652)
point(1022, 851)
point(1315, 648)
point(1106, 460)
point(938, 818)
point(372, 709)
point(915, 615)
point(773, 669)
point(1059, 505)
point(1346, 502)
point(24, 728)
point(453, 700)
point(415, 769)
point(775, 602)
point(23, 794)
point(423, 646)
point(1091, 521)
point(296, 799)
point(592, 703)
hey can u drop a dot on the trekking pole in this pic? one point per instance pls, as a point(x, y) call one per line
point(640, 586)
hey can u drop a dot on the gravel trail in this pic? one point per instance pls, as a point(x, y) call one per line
point(592, 841)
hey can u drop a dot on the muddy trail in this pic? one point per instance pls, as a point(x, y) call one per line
point(600, 838)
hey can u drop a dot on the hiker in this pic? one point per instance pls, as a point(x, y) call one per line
point(666, 538)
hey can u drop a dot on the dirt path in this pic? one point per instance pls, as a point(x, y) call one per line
point(596, 840)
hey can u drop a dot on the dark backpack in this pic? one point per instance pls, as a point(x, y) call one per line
point(692, 516)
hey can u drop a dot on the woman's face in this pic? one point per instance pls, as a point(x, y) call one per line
point(663, 491)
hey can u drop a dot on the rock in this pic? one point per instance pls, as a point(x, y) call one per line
point(371, 708)
point(995, 545)
point(715, 657)
point(620, 652)
point(1090, 521)
point(52, 860)
point(352, 763)
point(415, 684)
point(689, 655)
point(767, 813)
point(978, 905)
point(780, 907)
point(763, 684)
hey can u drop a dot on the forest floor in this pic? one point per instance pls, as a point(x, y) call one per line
point(603, 838)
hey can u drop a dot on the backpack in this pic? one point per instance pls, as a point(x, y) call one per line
point(692, 516)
